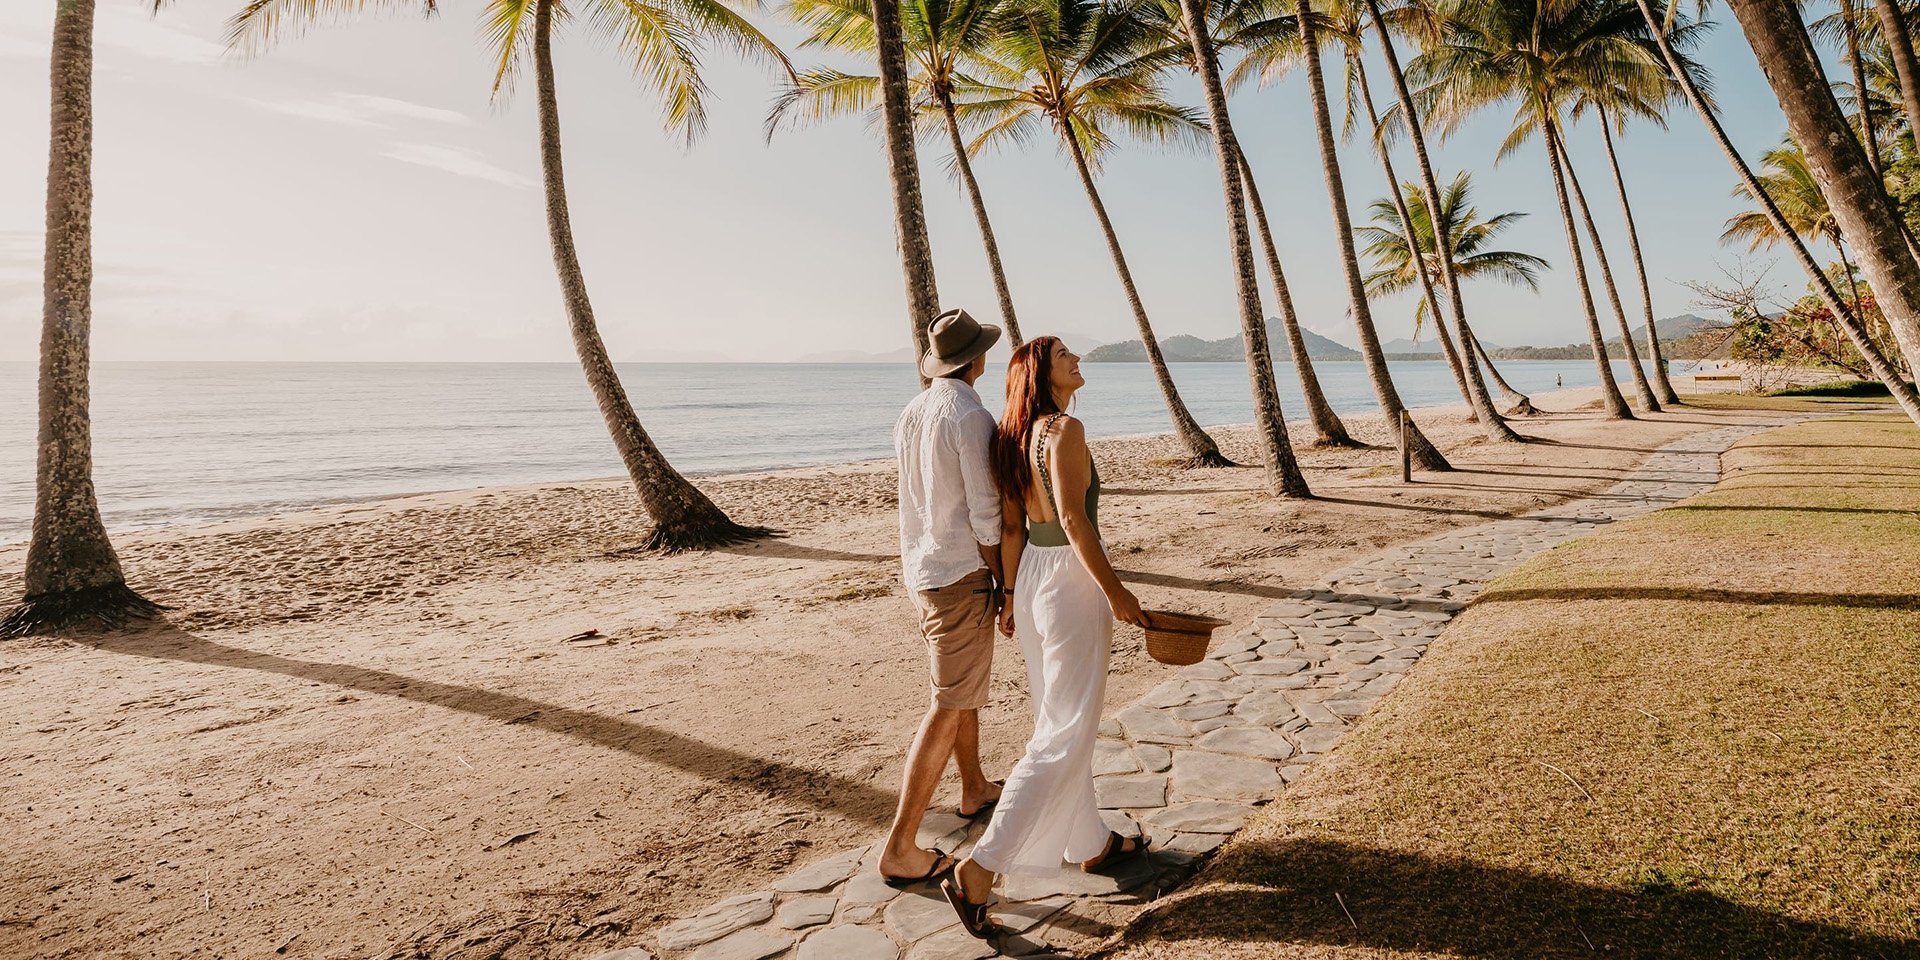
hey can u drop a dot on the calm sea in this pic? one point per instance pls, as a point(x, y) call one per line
point(189, 442)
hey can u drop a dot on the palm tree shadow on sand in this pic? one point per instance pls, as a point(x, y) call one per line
point(1283, 892)
point(790, 782)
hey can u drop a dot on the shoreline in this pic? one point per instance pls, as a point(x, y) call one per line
point(320, 510)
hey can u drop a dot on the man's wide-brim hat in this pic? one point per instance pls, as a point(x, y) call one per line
point(954, 340)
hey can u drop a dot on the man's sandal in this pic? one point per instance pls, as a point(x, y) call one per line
point(942, 862)
point(973, 916)
point(1117, 852)
point(984, 810)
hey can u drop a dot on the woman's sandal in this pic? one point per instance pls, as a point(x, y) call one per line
point(973, 916)
point(942, 862)
point(1117, 852)
point(984, 809)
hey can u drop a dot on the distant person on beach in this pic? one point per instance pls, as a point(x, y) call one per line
point(1065, 599)
point(950, 524)
point(1559, 380)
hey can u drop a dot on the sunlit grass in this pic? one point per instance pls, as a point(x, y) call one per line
point(1695, 734)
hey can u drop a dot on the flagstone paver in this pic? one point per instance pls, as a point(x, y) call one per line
point(1194, 756)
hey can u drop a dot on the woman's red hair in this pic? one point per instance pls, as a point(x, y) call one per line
point(1029, 399)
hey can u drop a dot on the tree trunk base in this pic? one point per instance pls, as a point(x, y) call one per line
point(1342, 442)
point(1210, 460)
point(94, 608)
point(1523, 407)
point(706, 536)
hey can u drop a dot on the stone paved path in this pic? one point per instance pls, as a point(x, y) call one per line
point(1194, 756)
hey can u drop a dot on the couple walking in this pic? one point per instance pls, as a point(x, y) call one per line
point(999, 522)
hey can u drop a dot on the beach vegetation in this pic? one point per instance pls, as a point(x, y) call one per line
point(663, 41)
point(1468, 235)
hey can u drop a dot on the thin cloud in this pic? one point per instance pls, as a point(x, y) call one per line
point(129, 29)
point(402, 108)
point(458, 161)
point(359, 110)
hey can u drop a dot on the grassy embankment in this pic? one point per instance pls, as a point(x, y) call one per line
point(1694, 734)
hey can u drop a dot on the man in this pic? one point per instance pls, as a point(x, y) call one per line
point(950, 559)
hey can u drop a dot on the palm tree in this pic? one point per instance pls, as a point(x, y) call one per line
point(1844, 25)
point(1424, 454)
point(1397, 267)
point(939, 35)
point(73, 577)
point(1543, 56)
point(1790, 185)
point(663, 39)
point(1663, 387)
point(1692, 86)
point(1083, 67)
point(1283, 470)
point(1418, 18)
point(1899, 43)
point(1241, 23)
point(1648, 402)
point(1854, 192)
point(903, 175)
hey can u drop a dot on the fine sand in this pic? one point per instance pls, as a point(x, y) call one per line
point(364, 730)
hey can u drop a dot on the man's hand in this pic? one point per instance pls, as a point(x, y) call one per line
point(1006, 618)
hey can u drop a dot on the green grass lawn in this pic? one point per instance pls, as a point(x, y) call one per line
point(1694, 734)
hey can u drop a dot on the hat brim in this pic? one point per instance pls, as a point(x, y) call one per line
point(933, 365)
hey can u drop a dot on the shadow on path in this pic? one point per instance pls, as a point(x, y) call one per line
point(1283, 892)
point(818, 789)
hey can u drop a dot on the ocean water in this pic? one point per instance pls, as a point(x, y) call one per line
point(191, 442)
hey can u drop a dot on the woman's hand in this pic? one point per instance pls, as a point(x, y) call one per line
point(1006, 617)
point(1126, 607)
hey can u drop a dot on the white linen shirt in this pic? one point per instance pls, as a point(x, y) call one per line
point(949, 506)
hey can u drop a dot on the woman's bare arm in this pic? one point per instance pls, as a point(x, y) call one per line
point(1013, 539)
point(1072, 467)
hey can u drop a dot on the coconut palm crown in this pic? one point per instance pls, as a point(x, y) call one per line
point(1470, 236)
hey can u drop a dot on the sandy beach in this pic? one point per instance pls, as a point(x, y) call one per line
point(478, 724)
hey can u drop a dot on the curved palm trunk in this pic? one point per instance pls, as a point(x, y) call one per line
point(1648, 403)
point(73, 577)
point(1903, 392)
point(1283, 475)
point(1200, 447)
point(683, 517)
point(1466, 374)
point(903, 171)
point(1329, 431)
point(1850, 27)
point(1443, 243)
point(1662, 387)
point(965, 166)
point(1893, 30)
point(1522, 404)
point(1616, 405)
point(1857, 198)
point(1425, 455)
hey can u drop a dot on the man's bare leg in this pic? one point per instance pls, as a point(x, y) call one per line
point(926, 761)
point(975, 789)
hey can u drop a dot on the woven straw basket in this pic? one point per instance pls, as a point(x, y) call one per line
point(1179, 639)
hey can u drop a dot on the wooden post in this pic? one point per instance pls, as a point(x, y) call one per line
point(1406, 453)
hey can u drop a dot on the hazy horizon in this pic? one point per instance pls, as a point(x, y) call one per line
point(353, 195)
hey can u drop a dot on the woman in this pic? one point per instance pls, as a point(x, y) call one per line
point(1065, 599)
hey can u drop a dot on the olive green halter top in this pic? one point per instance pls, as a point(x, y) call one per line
point(1050, 533)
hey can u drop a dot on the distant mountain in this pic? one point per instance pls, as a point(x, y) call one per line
point(1430, 345)
point(1184, 348)
point(1000, 352)
point(1672, 328)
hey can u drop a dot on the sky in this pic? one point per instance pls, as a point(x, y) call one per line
point(356, 194)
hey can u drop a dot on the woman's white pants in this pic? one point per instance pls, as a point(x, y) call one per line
point(1047, 812)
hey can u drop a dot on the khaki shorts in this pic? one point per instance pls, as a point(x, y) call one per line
point(957, 620)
